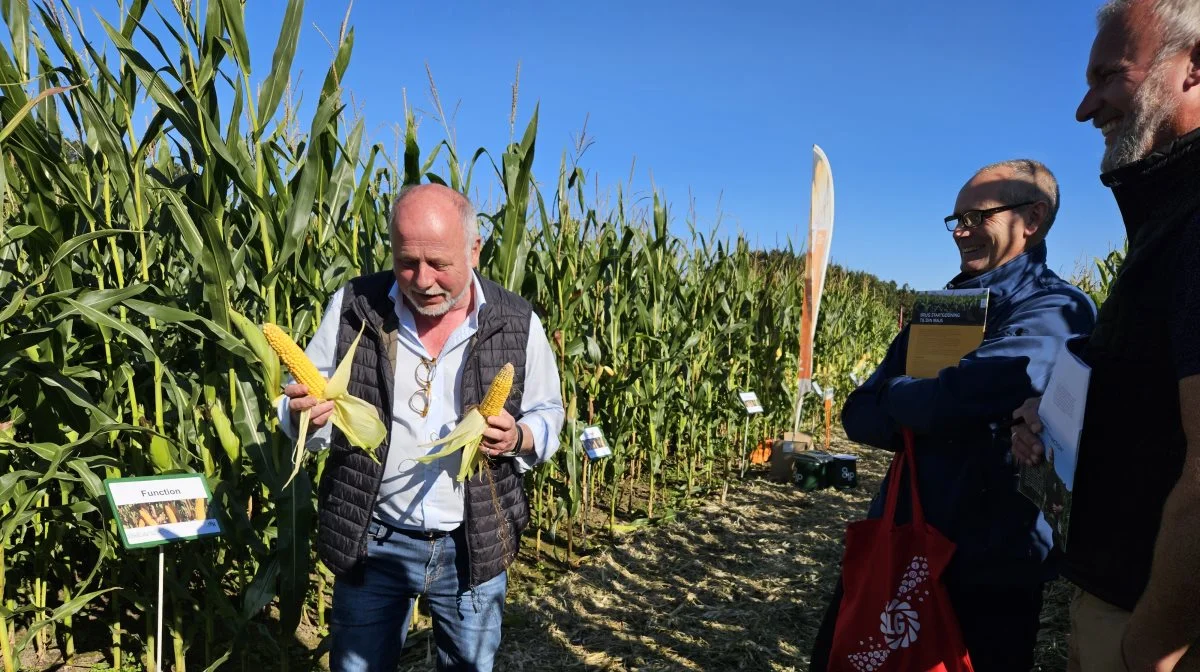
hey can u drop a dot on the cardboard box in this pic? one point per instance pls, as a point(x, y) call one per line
point(783, 452)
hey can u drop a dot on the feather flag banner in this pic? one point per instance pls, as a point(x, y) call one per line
point(820, 235)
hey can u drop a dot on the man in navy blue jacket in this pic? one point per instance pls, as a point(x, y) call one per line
point(966, 479)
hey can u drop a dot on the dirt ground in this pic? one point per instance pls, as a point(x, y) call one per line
point(741, 586)
point(735, 586)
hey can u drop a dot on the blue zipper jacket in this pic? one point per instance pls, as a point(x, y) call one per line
point(967, 480)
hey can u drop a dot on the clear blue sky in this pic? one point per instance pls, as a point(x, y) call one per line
point(722, 102)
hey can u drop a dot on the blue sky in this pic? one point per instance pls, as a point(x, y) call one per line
point(721, 103)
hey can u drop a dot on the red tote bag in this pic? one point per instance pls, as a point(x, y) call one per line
point(896, 615)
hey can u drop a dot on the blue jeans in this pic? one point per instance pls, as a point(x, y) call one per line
point(371, 615)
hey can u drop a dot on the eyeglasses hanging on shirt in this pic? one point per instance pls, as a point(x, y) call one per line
point(419, 401)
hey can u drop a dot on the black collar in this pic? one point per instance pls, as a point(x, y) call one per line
point(1163, 186)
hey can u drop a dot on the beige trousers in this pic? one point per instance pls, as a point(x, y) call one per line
point(1096, 631)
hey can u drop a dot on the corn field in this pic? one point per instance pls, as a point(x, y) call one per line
point(137, 262)
point(1097, 280)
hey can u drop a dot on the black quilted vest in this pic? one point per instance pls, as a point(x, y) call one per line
point(496, 511)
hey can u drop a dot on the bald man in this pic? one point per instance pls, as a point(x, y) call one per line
point(434, 334)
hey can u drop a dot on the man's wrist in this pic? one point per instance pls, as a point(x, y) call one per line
point(519, 448)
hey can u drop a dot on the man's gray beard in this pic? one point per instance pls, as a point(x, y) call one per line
point(1152, 106)
point(443, 307)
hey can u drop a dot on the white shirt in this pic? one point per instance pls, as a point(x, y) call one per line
point(426, 496)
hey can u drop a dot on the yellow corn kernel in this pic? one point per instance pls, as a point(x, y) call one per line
point(146, 518)
point(497, 392)
point(295, 360)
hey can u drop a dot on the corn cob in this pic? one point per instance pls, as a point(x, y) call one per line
point(147, 519)
point(302, 368)
point(358, 420)
point(497, 394)
point(468, 434)
point(225, 435)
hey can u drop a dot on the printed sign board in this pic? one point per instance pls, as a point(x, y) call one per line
point(154, 510)
point(594, 443)
point(750, 401)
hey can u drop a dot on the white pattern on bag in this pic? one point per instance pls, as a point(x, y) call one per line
point(899, 621)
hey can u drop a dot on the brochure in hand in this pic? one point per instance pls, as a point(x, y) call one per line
point(1049, 483)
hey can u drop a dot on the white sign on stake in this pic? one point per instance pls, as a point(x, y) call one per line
point(750, 401)
point(153, 510)
point(157, 510)
point(594, 443)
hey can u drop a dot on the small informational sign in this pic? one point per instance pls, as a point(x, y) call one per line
point(594, 443)
point(154, 510)
point(750, 401)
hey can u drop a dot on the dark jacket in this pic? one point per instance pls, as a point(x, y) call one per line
point(1131, 451)
point(496, 509)
point(966, 478)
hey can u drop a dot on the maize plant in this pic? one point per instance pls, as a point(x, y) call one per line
point(138, 259)
point(1098, 281)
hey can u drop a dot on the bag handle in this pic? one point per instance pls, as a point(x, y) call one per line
point(904, 458)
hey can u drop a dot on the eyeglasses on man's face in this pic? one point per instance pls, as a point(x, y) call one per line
point(419, 401)
point(973, 218)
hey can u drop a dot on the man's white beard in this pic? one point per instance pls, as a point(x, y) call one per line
point(441, 308)
point(1151, 107)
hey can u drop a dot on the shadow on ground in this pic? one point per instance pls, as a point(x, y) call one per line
point(738, 586)
point(734, 587)
point(741, 586)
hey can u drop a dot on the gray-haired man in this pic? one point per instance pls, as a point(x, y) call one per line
point(1134, 543)
point(435, 335)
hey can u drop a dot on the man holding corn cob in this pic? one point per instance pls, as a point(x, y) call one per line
point(426, 341)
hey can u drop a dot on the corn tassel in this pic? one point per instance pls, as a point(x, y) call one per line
point(469, 432)
point(358, 420)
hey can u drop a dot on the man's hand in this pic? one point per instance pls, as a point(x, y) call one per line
point(501, 435)
point(1026, 448)
point(299, 400)
point(1167, 663)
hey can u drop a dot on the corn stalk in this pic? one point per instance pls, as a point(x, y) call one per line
point(136, 262)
